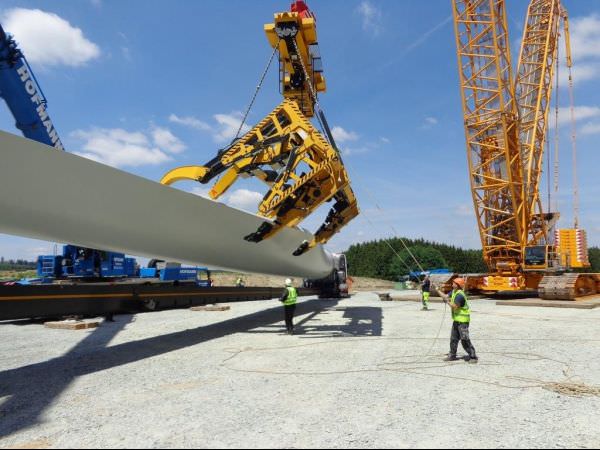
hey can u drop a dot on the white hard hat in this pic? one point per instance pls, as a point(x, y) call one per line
point(288, 281)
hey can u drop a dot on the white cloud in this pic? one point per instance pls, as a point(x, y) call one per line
point(581, 113)
point(223, 131)
point(228, 125)
point(202, 191)
point(591, 128)
point(340, 135)
point(429, 123)
point(126, 53)
point(581, 72)
point(425, 36)
point(245, 199)
point(164, 139)
point(371, 17)
point(190, 122)
point(585, 37)
point(385, 140)
point(119, 148)
point(47, 39)
point(585, 48)
point(349, 151)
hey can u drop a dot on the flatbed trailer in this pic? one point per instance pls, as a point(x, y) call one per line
point(96, 299)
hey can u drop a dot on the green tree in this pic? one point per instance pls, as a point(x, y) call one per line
point(375, 258)
point(594, 255)
point(427, 257)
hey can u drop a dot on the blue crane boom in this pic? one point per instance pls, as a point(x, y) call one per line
point(22, 94)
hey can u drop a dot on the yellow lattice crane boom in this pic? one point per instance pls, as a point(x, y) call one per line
point(506, 123)
point(491, 127)
point(535, 73)
point(301, 166)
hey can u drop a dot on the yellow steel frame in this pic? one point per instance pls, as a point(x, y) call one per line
point(491, 130)
point(302, 169)
point(506, 127)
point(286, 28)
point(533, 93)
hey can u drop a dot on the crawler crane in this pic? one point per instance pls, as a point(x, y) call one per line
point(505, 126)
point(302, 167)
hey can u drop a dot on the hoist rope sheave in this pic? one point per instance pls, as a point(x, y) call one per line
point(302, 167)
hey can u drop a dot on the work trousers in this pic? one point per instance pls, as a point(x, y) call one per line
point(425, 299)
point(460, 332)
point(289, 317)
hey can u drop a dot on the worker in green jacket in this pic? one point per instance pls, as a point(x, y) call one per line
point(461, 318)
point(425, 288)
point(289, 299)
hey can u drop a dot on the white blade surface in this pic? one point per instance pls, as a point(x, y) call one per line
point(57, 196)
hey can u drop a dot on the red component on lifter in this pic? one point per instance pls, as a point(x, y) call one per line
point(300, 7)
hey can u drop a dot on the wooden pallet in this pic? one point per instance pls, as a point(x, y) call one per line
point(211, 308)
point(387, 297)
point(579, 303)
point(72, 324)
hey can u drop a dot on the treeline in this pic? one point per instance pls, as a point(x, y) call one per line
point(16, 264)
point(389, 259)
point(594, 254)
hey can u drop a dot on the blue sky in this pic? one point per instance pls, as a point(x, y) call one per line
point(146, 86)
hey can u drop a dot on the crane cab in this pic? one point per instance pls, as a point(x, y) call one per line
point(539, 257)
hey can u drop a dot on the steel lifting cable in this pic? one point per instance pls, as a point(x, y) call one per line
point(318, 106)
point(556, 133)
point(416, 367)
point(574, 147)
point(572, 109)
point(258, 88)
point(313, 93)
point(376, 203)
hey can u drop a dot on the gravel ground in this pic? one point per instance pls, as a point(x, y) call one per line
point(229, 279)
point(359, 373)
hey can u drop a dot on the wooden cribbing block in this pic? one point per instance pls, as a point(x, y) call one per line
point(72, 324)
point(211, 308)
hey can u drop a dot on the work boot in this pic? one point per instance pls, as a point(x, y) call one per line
point(424, 308)
point(472, 359)
point(450, 358)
